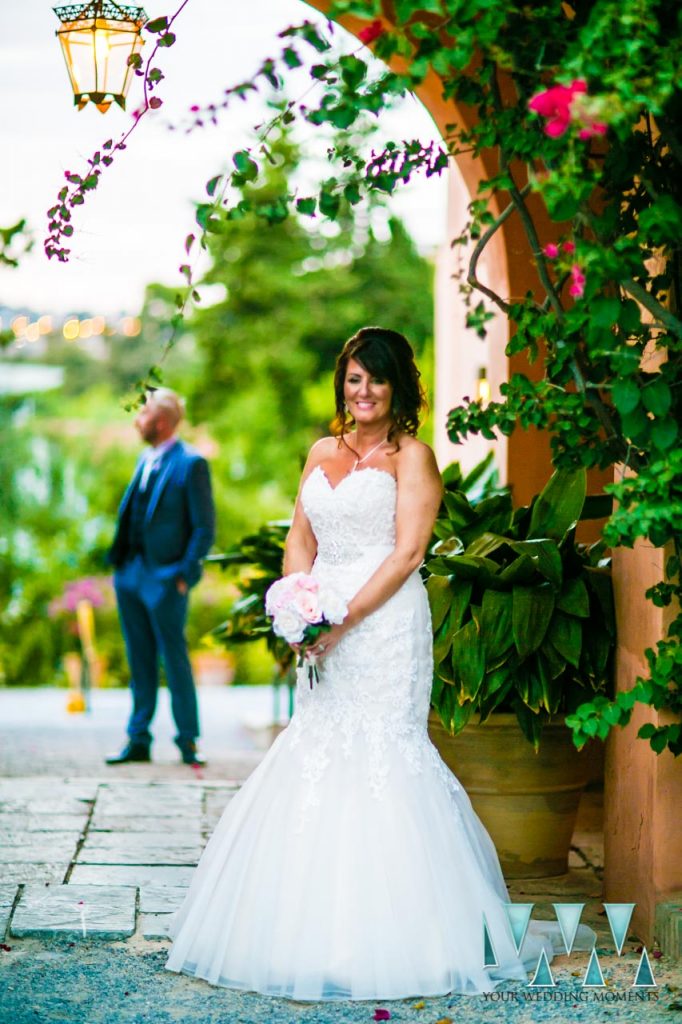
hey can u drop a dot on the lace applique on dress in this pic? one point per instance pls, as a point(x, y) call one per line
point(374, 688)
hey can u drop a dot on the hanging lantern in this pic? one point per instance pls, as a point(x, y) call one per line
point(97, 39)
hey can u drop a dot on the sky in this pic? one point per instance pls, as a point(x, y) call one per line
point(131, 231)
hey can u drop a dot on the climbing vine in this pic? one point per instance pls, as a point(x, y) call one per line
point(576, 108)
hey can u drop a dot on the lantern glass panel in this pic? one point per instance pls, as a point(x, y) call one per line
point(96, 53)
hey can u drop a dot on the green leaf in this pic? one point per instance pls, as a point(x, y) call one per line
point(531, 614)
point(157, 25)
point(246, 167)
point(468, 659)
point(604, 312)
point(522, 570)
point(657, 397)
point(635, 424)
point(626, 394)
point(574, 599)
point(306, 206)
point(291, 58)
point(459, 510)
point(565, 633)
point(558, 506)
point(212, 184)
point(353, 70)
point(545, 555)
point(664, 433)
point(496, 621)
point(329, 204)
point(438, 590)
point(562, 208)
point(167, 39)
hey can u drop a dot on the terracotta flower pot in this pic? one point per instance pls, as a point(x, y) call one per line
point(528, 802)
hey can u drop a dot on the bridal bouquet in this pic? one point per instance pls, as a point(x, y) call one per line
point(301, 610)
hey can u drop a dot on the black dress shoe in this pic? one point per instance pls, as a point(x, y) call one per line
point(190, 754)
point(131, 752)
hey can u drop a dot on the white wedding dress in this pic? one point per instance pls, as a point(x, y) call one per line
point(351, 864)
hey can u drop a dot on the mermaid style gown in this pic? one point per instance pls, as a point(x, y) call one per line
point(351, 864)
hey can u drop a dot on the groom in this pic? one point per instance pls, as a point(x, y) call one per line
point(166, 524)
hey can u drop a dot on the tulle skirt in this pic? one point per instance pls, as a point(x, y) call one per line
point(363, 896)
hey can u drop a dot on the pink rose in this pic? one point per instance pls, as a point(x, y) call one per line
point(306, 604)
point(551, 251)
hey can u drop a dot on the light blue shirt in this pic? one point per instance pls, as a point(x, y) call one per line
point(152, 458)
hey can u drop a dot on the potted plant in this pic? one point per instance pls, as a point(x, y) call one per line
point(524, 633)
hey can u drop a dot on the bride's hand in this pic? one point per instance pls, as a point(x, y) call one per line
point(327, 641)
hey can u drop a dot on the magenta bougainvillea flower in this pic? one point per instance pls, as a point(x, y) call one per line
point(368, 35)
point(563, 105)
point(551, 251)
point(554, 104)
point(381, 1014)
point(577, 288)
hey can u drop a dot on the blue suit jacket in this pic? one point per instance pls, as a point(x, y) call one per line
point(179, 525)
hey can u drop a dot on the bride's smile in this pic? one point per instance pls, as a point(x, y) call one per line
point(368, 399)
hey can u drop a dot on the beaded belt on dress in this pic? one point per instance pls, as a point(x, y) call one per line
point(333, 552)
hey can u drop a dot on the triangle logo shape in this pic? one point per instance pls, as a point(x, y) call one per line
point(543, 977)
point(518, 915)
point(593, 975)
point(489, 954)
point(619, 915)
point(645, 976)
point(568, 916)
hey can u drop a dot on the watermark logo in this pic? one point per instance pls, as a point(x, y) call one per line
point(568, 916)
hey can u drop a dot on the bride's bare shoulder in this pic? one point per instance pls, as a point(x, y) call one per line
point(415, 455)
point(321, 450)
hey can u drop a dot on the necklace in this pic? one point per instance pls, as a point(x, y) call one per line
point(376, 447)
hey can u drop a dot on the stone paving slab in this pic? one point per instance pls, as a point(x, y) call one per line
point(161, 899)
point(216, 802)
point(58, 803)
point(30, 848)
point(40, 788)
point(156, 799)
point(129, 874)
point(83, 911)
point(152, 853)
point(141, 840)
point(20, 821)
point(7, 896)
point(154, 926)
point(187, 824)
point(44, 873)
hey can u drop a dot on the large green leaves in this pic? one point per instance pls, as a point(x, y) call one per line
point(531, 614)
point(558, 506)
point(468, 659)
point(496, 622)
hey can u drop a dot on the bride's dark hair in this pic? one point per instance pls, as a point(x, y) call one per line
point(388, 356)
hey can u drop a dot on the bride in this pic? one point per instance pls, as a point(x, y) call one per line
point(351, 864)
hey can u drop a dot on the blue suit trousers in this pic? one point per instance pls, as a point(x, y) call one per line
point(153, 614)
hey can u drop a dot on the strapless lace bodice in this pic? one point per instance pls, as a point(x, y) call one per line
point(352, 519)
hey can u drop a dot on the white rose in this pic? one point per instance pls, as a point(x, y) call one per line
point(334, 607)
point(289, 625)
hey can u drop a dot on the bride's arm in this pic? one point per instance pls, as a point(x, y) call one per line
point(301, 547)
point(419, 495)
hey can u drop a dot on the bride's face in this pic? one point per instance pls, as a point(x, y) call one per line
point(368, 398)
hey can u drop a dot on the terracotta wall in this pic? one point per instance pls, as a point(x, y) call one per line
point(642, 790)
